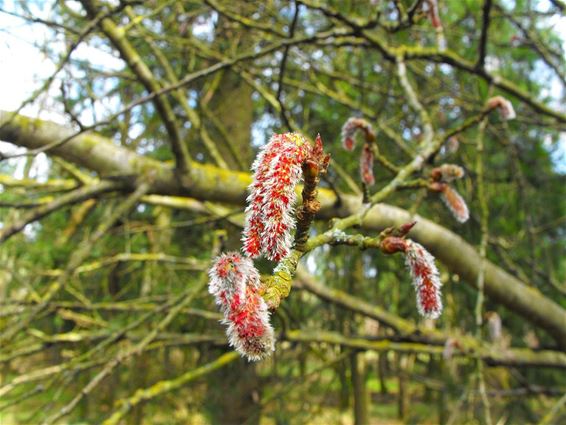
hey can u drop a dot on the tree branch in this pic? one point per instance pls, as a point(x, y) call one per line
point(146, 77)
point(512, 357)
point(213, 184)
point(163, 387)
point(73, 197)
point(483, 37)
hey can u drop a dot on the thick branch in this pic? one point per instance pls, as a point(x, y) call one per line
point(206, 182)
point(335, 296)
point(511, 357)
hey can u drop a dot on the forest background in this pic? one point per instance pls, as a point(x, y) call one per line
point(129, 131)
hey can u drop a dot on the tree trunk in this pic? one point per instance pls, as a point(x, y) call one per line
point(403, 397)
point(382, 373)
point(359, 386)
point(357, 361)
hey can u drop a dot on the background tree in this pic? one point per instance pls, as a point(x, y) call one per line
point(105, 314)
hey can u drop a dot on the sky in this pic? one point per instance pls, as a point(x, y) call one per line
point(23, 67)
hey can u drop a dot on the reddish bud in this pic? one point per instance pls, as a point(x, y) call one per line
point(393, 244)
point(317, 152)
point(318, 157)
point(406, 228)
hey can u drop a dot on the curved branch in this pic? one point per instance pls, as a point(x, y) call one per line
point(511, 357)
point(206, 182)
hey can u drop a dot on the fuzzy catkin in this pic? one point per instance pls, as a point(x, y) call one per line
point(426, 279)
point(505, 107)
point(455, 204)
point(366, 165)
point(234, 283)
point(269, 214)
point(349, 129)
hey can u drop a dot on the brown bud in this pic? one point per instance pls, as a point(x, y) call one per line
point(436, 174)
point(318, 157)
point(437, 186)
point(393, 244)
point(310, 169)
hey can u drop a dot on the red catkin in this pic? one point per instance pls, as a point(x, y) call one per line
point(235, 284)
point(424, 273)
point(269, 214)
point(434, 14)
point(366, 165)
point(426, 279)
point(350, 128)
point(447, 173)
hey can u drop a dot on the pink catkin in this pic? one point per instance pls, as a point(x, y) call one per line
point(235, 284)
point(269, 215)
point(434, 14)
point(366, 165)
point(426, 279)
point(455, 203)
point(350, 128)
point(504, 106)
point(254, 222)
point(249, 330)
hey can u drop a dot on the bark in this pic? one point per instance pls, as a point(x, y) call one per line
point(206, 182)
point(236, 122)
